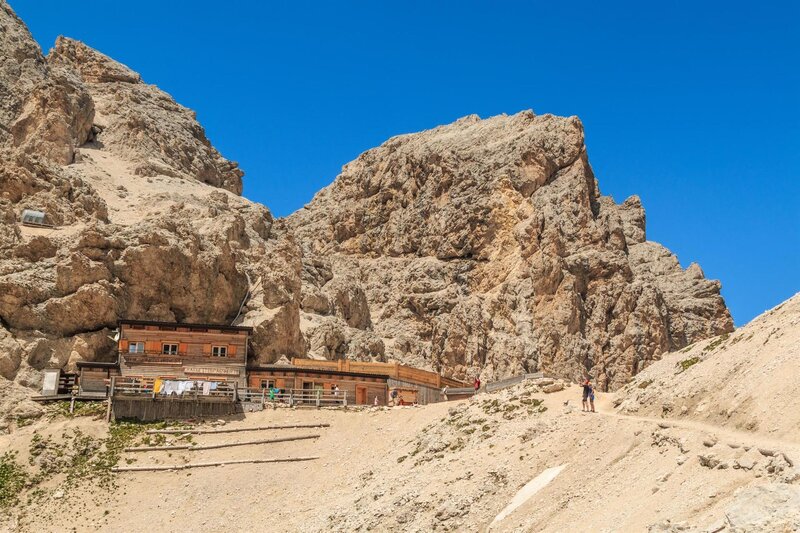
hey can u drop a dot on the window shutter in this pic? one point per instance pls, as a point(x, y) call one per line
point(152, 346)
point(231, 350)
point(182, 348)
point(123, 345)
point(206, 349)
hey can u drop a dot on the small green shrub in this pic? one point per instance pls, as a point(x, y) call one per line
point(23, 421)
point(686, 363)
point(713, 345)
point(646, 383)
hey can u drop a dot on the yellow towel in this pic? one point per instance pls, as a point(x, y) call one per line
point(157, 386)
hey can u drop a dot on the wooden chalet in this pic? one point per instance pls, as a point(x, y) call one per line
point(362, 381)
point(359, 388)
point(168, 350)
point(179, 370)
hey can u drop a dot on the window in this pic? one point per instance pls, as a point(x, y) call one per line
point(219, 351)
point(169, 349)
point(267, 384)
point(136, 347)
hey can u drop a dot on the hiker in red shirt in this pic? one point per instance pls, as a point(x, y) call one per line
point(477, 384)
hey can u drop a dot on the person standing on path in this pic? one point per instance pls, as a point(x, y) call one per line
point(477, 384)
point(588, 396)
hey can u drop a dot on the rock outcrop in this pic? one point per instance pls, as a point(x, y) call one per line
point(43, 111)
point(143, 123)
point(147, 221)
point(485, 247)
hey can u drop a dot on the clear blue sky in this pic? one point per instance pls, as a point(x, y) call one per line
point(693, 107)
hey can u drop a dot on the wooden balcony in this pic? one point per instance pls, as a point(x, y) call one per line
point(178, 358)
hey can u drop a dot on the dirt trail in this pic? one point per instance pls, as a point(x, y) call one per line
point(605, 407)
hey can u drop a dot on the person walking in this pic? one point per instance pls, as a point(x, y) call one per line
point(588, 396)
point(477, 384)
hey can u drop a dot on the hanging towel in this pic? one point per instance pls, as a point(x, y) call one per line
point(206, 388)
point(157, 386)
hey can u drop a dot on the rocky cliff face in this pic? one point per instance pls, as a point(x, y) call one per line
point(148, 220)
point(485, 246)
point(482, 246)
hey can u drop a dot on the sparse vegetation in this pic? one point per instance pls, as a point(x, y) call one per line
point(646, 383)
point(23, 421)
point(61, 409)
point(687, 363)
point(713, 345)
point(12, 479)
point(76, 456)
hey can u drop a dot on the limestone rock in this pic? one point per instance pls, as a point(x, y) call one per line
point(143, 123)
point(43, 111)
point(485, 246)
point(177, 246)
point(765, 508)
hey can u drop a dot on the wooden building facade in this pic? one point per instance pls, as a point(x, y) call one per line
point(94, 378)
point(169, 350)
point(361, 388)
point(413, 384)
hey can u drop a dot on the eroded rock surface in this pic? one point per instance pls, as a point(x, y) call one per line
point(483, 246)
point(486, 246)
point(147, 221)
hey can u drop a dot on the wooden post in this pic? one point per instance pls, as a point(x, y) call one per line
point(344, 400)
point(110, 399)
point(235, 391)
point(72, 404)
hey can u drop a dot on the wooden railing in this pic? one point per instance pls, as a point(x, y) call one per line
point(132, 386)
point(317, 397)
point(494, 385)
point(156, 356)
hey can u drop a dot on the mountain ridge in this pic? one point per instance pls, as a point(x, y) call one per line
point(479, 247)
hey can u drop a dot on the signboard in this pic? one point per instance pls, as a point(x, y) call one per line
point(211, 370)
point(50, 382)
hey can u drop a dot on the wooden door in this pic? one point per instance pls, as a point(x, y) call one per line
point(361, 395)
